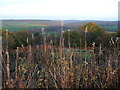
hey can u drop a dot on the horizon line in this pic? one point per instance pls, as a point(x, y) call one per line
point(61, 19)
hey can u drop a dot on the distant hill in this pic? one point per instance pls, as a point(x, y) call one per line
point(54, 25)
point(107, 25)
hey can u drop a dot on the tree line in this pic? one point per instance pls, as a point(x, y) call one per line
point(89, 32)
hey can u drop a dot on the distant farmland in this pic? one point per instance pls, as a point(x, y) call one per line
point(52, 26)
point(21, 25)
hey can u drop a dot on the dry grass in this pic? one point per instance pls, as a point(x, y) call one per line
point(56, 68)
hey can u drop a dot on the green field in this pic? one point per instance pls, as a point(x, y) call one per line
point(18, 26)
point(111, 28)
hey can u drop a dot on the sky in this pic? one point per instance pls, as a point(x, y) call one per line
point(59, 9)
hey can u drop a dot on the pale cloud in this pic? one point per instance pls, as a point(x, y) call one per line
point(76, 9)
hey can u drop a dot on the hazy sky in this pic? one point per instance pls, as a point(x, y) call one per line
point(59, 9)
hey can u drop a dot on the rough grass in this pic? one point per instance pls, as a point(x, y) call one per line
point(47, 67)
